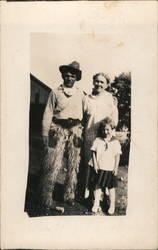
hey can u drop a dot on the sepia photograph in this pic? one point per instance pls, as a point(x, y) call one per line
point(79, 128)
point(79, 125)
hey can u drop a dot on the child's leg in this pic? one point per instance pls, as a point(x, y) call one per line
point(107, 191)
point(111, 209)
point(97, 196)
point(86, 194)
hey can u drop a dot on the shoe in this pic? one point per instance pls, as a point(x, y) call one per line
point(96, 209)
point(99, 209)
point(60, 209)
point(111, 210)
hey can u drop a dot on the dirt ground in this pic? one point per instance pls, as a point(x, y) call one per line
point(82, 206)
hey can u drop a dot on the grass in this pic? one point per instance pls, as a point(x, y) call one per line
point(82, 206)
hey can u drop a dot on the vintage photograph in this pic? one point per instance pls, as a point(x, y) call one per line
point(79, 125)
point(79, 132)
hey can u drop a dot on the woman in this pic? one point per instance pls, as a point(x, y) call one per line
point(98, 105)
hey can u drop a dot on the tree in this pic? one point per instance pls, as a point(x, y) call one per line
point(121, 89)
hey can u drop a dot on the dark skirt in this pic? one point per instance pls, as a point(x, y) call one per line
point(101, 179)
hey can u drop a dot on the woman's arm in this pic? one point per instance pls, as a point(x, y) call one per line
point(115, 111)
point(117, 159)
point(94, 160)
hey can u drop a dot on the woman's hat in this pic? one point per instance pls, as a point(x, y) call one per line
point(73, 68)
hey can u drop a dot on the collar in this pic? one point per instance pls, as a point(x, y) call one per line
point(102, 95)
point(107, 140)
point(68, 91)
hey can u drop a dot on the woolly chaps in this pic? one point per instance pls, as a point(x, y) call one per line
point(63, 142)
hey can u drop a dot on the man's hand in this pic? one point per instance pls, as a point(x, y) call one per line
point(45, 141)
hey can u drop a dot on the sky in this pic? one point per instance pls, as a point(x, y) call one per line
point(108, 53)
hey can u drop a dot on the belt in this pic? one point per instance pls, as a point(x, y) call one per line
point(66, 123)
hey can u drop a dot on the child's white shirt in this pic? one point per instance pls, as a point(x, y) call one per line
point(106, 152)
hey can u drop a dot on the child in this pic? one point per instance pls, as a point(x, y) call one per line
point(106, 152)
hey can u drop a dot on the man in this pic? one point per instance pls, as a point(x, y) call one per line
point(62, 131)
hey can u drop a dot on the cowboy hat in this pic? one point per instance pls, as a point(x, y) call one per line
point(73, 67)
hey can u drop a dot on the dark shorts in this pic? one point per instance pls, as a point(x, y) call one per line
point(102, 179)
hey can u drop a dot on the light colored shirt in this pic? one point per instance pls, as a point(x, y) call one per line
point(99, 107)
point(96, 109)
point(106, 152)
point(63, 103)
